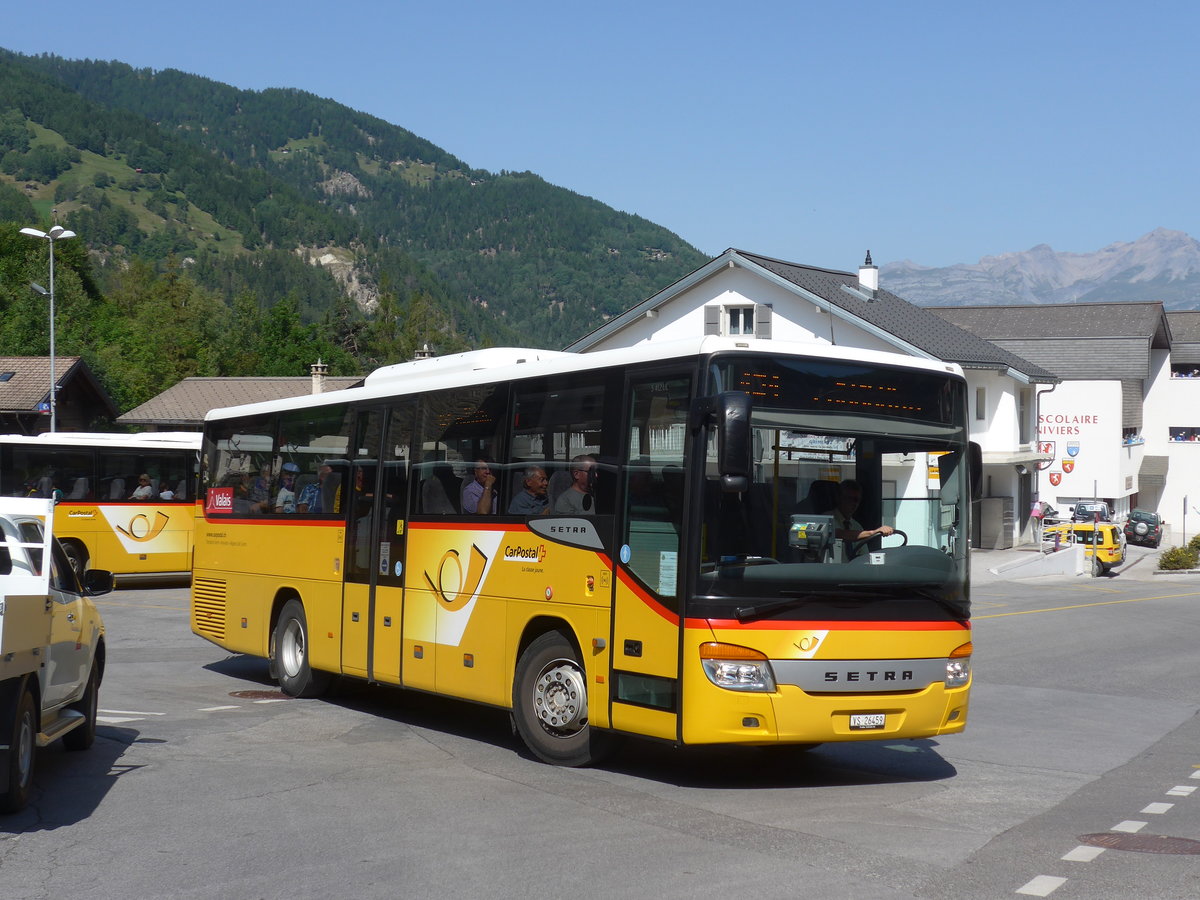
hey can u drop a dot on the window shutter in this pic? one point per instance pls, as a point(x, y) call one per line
point(712, 320)
point(762, 321)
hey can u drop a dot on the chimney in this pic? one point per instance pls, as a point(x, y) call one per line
point(868, 275)
point(318, 376)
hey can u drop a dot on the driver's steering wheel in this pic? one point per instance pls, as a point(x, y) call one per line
point(853, 548)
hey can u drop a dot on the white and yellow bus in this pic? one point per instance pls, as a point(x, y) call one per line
point(125, 502)
point(697, 591)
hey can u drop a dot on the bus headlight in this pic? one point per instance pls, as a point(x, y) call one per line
point(736, 668)
point(958, 666)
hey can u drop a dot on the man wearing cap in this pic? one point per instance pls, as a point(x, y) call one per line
point(285, 500)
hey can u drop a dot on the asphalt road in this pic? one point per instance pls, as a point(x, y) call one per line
point(205, 782)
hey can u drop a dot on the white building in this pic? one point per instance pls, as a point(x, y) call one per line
point(746, 295)
point(1124, 423)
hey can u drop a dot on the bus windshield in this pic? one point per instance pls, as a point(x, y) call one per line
point(857, 494)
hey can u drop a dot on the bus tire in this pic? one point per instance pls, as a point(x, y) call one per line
point(550, 708)
point(22, 744)
point(77, 556)
point(290, 653)
point(81, 737)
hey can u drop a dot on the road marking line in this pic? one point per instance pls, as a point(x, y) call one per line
point(1027, 612)
point(275, 700)
point(1130, 826)
point(117, 720)
point(216, 708)
point(1181, 790)
point(1157, 809)
point(130, 712)
point(1195, 774)
point(1082, 853)
point(1042, 886)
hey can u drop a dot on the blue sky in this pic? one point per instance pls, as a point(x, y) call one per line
point(936, 132)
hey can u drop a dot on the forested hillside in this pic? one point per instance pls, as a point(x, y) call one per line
point(374, 237)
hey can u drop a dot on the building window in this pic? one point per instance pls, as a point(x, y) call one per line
point(739, 320)
point(980, 404)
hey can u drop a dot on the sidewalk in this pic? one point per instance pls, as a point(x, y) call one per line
point(1028, 561)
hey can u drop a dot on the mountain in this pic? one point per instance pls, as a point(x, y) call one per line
point(283, 193)
point(1162, 265)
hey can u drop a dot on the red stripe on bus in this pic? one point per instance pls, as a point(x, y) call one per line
point(641, 594)
point(800, 624)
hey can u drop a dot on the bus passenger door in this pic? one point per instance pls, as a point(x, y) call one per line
point(375, 503)
point(646, 604)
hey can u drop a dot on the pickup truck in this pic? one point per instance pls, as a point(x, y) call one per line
point(52, 646)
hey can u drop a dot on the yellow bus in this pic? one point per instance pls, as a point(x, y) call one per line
point(125, 502)
point(622, 542)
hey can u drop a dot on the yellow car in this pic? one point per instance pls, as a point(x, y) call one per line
point(1103, 542)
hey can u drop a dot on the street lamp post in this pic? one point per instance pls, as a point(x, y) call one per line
point(57, 233)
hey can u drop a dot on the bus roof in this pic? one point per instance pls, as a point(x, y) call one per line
point(503, 363)
point(184, 440)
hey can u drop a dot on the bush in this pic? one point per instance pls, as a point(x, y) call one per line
point(1180, 557)
point(1194, 545)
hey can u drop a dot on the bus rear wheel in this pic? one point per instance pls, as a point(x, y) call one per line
point(550, 704)
point(296, 676)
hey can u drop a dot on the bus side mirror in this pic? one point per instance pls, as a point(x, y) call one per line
point(729, 413)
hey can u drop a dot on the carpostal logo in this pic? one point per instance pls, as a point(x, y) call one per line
point(525, 554)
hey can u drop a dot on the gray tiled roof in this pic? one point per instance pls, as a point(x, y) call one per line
point(1075, 341)
point(30, 381)
point(190, 400)
point(1142, 319)
point(1185, 327)
point(913, 324)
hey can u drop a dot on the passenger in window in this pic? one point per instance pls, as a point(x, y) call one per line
point(285, 500)
point(479, 495)
point(260, 489)
point(310, 497)
point(532, 501)
point(243, 497)
point(144, 490)
point(577, 500)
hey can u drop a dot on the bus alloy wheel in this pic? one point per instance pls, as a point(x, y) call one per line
point(560, 698)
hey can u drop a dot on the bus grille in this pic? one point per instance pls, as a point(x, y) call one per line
point(209, 608)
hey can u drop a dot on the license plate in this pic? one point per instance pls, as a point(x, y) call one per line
point(864, 721)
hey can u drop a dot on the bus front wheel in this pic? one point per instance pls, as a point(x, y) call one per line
point(76, 555)
point(296, 676)
point(550, 704)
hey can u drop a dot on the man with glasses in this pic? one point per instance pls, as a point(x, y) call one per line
point(533, 500)
point(479, 495)
point(144, 490)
